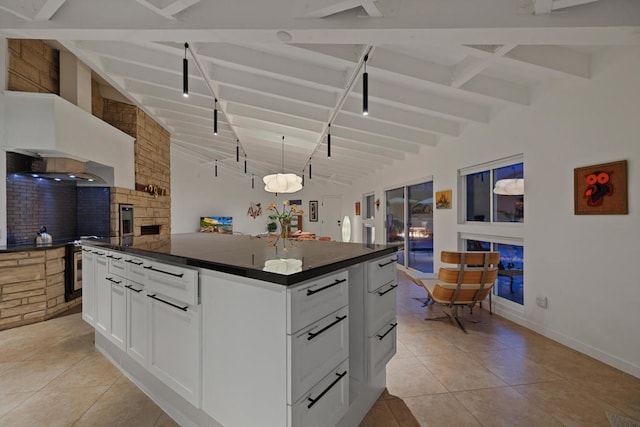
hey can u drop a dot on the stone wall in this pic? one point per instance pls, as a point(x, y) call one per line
point(33, 67)
point(153, 167)
point(32, 287)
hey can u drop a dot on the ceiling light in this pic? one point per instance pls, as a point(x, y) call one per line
point(215, 116)
point(329, 141)
point(282, 182)
point(509, 187)
point(72, 176)
point(57, 179)
point(35, 175)
point(90, 179)
point(185, 72)
point(365, 89)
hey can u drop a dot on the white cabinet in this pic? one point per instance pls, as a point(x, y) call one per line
point(118, 329)
point(88, 286)
point(326, 403)
point(137, 321)
point(316, 350)
point(103, 294)
point(174, 351)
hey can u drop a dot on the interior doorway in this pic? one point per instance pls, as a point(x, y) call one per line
point(330, 216)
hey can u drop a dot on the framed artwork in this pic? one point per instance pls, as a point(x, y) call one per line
point(601, 189)
point(297, 202)
point(443, 199)
point(357, 208)
point(313, 211)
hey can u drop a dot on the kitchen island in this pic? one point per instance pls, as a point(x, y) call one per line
point(224, 330)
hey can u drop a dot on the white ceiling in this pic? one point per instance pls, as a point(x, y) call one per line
point(291, 67)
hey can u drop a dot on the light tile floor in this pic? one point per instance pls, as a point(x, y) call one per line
point(500, 374)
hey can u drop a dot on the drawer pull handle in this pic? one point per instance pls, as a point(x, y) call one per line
point(86, 250)
point(393, 325)
point(117, 258)
point(133, 289)
point(312, 335)
point(168, 303)
point(165, 272)
point(315, 291)
point(388, 290)
point(111, 279)
point(133, 262)
point(314, 401)
point(387, 263)
point(98, 253)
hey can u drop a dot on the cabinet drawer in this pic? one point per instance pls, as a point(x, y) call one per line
point(315, 350)
point(178, 283)
point(314, 300)
point(135, 269)
point(382, 347)
point(381, 307)
point(381, 271)
point(326, 403)
point(116, 264)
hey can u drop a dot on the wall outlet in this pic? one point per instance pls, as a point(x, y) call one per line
point(541, 301)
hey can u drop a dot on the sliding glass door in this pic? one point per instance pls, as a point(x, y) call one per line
point(409, 223)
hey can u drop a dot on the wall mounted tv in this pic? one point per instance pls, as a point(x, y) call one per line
point(216, 224)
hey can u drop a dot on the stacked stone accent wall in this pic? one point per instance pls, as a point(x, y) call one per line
point(33, 67)
point(152, 167)
point(32, 287)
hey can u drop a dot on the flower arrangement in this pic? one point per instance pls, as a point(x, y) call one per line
point(283, 217)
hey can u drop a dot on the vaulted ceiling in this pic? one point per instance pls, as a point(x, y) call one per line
point(293, 67)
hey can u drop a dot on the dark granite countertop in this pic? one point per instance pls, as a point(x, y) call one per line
point(247, 256)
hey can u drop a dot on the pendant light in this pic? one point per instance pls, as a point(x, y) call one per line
point(365, 89)
point(282, 182)
point(309, 169)
point(329, 141)
point(185, 72)
point(245, 162)
point(216, 168)
point(215, 116)
point(252, 182)
point(237, 150)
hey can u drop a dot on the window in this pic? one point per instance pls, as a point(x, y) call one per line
point(484, 211)
point(409, 224)
point(510, 283)
point(369, 206)
point(483, 204)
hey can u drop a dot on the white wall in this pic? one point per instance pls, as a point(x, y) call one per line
point(585, 265)
point(196, 192)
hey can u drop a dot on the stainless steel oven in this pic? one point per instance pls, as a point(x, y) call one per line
point(72, 271)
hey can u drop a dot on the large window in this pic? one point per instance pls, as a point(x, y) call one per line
point(492, 194)
point(510, 283)
point(409, 224)
point(483, 204)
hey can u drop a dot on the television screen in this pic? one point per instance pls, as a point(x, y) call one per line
point(216, 224)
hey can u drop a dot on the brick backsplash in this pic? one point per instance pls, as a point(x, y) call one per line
point(33, 202)
point(93, 213)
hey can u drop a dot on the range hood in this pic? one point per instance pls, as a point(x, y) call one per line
point(57, 168)
point(63, 169)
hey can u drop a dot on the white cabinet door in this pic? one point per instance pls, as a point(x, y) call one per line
point(88, 286)
point(137, 330)
point(118, 311)
point(174, 350)
point(103, 294)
